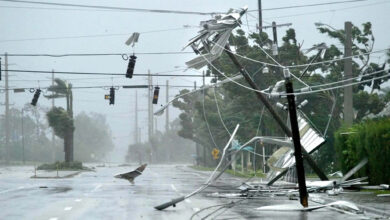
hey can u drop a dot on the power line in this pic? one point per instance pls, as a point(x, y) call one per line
point(158, 74)
point(113, 8)
point(94, 54)
point(95, 35)
point(307, 64)
point(103, 87)
point(305, 6)
point(326, 11)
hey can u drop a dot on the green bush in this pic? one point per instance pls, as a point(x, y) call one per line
point(369, 139)
point(75, 165)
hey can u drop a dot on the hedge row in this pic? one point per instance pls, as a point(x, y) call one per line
point(370, 139)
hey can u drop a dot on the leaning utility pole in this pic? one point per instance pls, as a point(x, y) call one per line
point(274, 114)
point(167, 109)
point(7, 150)
point(348, 96)
point(292, 109)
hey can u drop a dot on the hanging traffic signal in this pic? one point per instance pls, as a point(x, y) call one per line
point(130, 67)
point(155, 94)
point(36, 97)
point(112, 95)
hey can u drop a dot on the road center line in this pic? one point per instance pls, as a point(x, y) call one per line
point(173, 187)
point(78, 200)
point(68, 208)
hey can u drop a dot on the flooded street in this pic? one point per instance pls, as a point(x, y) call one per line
point(98, 195)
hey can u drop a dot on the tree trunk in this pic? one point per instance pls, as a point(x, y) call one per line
point(71, 145)
point(66, 147)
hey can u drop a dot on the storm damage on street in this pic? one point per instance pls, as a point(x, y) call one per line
point(194, 110)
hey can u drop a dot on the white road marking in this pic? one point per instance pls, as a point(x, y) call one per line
point(96, 188)
point(78, 200)
point(68, 208)
point(187, 200)
point(196, 209)
point(10, 190)
point(54, 218)
point(173, 187)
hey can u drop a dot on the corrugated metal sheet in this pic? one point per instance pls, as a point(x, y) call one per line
point(310, 141)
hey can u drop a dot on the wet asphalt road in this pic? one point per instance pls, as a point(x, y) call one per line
point(97, 195)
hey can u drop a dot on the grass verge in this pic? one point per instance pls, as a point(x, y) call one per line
point(75, 165)
point(248, 174)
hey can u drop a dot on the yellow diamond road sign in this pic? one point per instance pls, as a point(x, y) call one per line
point(215, 153)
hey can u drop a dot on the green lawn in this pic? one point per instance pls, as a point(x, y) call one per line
point(248, 174)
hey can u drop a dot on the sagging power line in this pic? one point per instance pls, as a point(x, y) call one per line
point(107, 74)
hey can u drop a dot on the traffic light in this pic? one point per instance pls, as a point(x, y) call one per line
point(155, 94)
point(36, 97)
point(130, 67)
point(112, 95)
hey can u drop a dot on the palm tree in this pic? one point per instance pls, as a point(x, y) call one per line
point(62, 89)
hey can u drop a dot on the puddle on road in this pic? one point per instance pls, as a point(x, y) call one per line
point(53, 190)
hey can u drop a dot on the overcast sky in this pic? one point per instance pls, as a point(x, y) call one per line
point(24, 28)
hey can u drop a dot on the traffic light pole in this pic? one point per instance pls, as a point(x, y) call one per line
point(274, 114)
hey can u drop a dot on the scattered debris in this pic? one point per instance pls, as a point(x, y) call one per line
point(343, 205)
point(130, 176)
point(213, 37)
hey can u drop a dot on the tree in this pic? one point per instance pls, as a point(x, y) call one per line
point(238, 105)
point(92, 137)
point(63, 127)
point(28, 139)
point(62, 89)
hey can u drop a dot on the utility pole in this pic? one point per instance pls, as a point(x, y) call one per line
point(53, 137)
point(204, 148)
point(260, 18)
point(348, 101)
point(7, 150)
point(203, 78)
point(292, 109)
point(275, 42)
point(274, 114)
point(150, 107)
point(139, 135)
point(167, 109)
point(23, 135)
point(155, 126)
point(136, 118)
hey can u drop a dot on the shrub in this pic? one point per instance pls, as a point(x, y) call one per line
point(369, 139)
point(75, 165)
